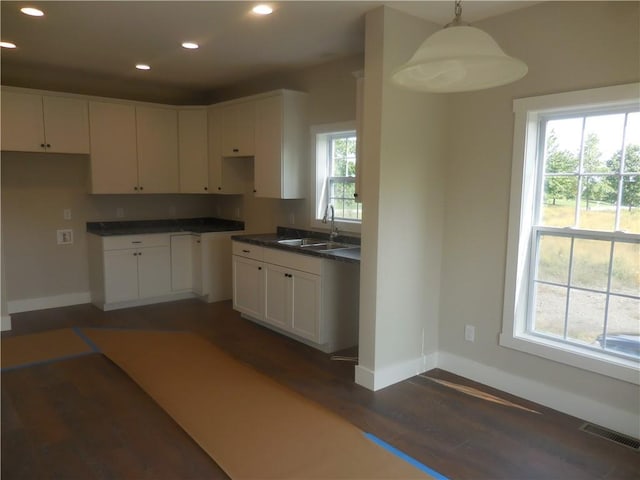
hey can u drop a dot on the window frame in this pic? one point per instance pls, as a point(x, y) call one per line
point(525, 178)
point(320, 177)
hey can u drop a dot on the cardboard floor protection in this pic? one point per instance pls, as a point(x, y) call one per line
point(41, 347)
point(250, 425)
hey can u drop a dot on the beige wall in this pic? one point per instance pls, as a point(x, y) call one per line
point(36, 188)
point(567, 46)
point(404, 206)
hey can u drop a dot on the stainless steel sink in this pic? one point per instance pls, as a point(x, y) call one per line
point(327, 246)
point(302, 242)
point(314, 244)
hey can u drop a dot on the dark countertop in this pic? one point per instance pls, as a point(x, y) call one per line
point(270, 240)
point(139, 227)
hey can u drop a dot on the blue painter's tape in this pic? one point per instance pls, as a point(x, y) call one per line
point(45, 362)
point(86, 339)
point(405, 457)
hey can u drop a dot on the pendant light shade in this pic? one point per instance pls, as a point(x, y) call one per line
point(458, 58)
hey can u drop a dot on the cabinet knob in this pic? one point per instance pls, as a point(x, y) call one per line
point(135, 188)
point(355, 195)
point(236, 150)
point(219, 188)
point(141, 188)
point(42, 145)
point(206, 188)
point(254, 190)
point(48, 145)
point(259, 268)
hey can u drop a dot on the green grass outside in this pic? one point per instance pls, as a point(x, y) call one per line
point(589, 270)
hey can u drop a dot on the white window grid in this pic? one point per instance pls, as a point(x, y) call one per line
point(339, 201)
point(613, 237)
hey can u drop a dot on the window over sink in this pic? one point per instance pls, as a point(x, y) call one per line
point(334, 179)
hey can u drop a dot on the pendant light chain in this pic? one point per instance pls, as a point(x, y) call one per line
point(458, 10)
point(457, 21)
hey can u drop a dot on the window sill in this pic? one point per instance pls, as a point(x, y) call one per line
point(618, 368)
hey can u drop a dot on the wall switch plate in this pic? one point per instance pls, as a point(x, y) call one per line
point(470, 333)
point(66, 214)
point(64, 237)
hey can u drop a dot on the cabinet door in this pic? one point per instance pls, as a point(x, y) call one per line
point(22, 122)
point(277, 296)
point(305, 305)
point(120, 275)
point(157, 142)
point(112, 133)
point(154, 271)
point(181, 263)
point(238, 130)
point(226, 175)
point(192, 151)
point(268, 159)
point(216, 266)
point(66, 124)
point(248, 287)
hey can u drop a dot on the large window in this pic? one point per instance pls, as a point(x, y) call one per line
point(336, 175)
point(575, 263)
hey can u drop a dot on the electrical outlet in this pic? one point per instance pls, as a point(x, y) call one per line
point(172, 210)
point(66, 214)
point(470, 333)
point(292, 219)
point(64, 237)
point(237, 212)
point(218, 210)
point(119, 212)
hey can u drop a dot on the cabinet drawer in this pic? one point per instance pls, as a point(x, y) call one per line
point(119, 242)
point(296, 261)
point(248, 250)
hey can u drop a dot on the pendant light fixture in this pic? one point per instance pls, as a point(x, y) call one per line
point(458, 58)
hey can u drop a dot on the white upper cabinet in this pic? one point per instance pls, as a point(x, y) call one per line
point(39, 123)
point(238, 124)
point(157, 141)
point(281, 154)
point(114, 163)
point(133, 149)
point(227, 175)
point(193, 150)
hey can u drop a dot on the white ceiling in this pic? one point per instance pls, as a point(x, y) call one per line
point(109, 38)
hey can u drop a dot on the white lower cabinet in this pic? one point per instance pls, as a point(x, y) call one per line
point(129, 268)
point(311, 299)
point(293, 301)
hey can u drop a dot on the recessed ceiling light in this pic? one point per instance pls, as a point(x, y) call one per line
point(34, 12)
point(143, 66)
point(262, 9)
point(190, 45)
point(7, 45)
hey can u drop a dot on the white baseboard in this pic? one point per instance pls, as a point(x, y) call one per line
point(65, 300)
point(376, 380)
point(553, 397)
point(145, 301)
point(5, 323)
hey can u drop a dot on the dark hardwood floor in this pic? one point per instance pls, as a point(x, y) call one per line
point(83, 418)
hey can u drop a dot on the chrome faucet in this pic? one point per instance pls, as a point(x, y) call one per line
point(334, 230)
